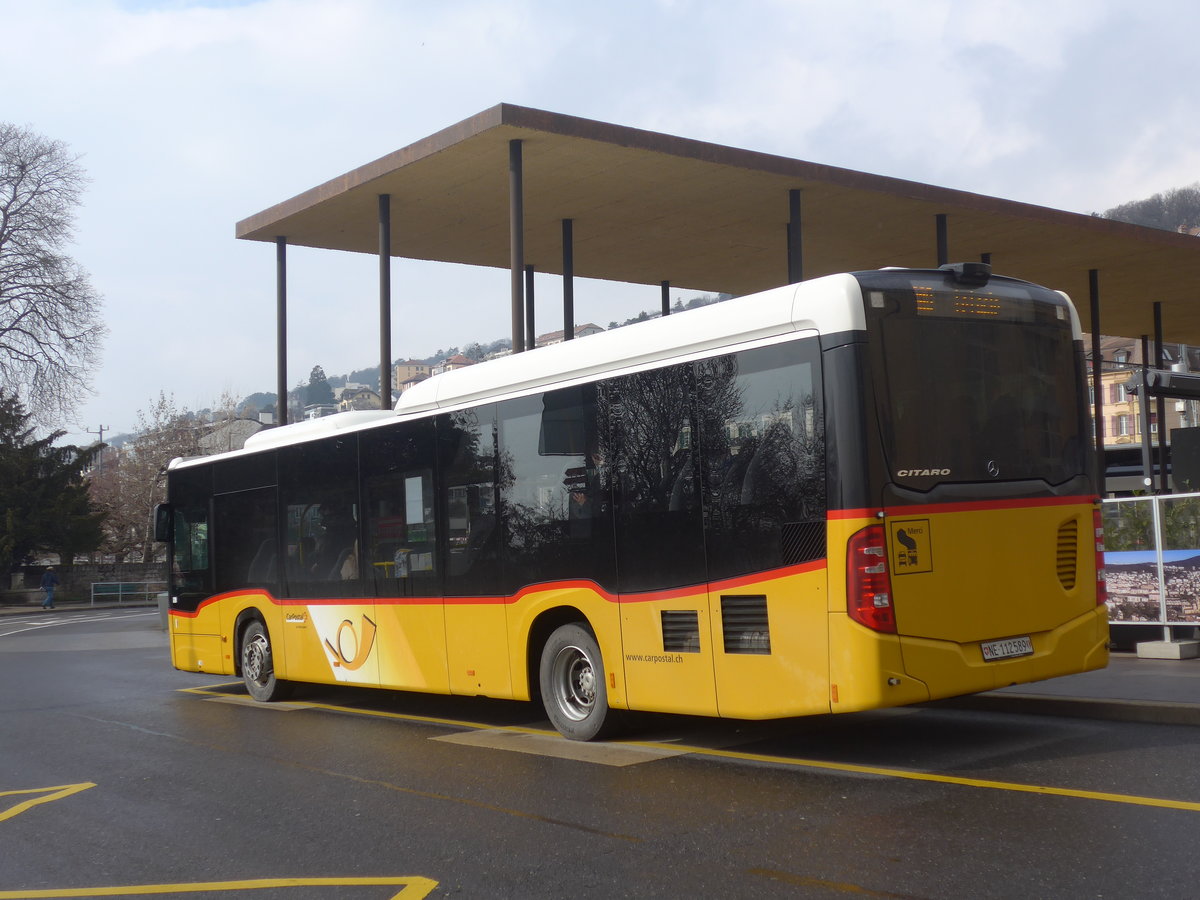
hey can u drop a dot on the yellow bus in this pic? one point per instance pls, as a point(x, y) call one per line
point(860, 491)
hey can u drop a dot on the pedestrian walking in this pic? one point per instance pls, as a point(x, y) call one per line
point(49, 583)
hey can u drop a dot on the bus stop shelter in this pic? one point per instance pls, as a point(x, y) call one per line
point(520, 188)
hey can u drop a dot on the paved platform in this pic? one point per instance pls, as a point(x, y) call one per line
point(1163, 691)
point(1131, 689)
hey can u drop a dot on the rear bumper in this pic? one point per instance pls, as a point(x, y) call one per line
point(951, 669)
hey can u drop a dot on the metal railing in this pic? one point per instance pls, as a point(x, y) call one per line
point(143, 592)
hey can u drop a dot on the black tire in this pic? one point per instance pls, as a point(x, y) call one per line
point(574, 689)
point(258, 665)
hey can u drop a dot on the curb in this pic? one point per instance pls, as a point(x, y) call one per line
point(1152, 712)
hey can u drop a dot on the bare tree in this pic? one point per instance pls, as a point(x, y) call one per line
point(1175, 210)
point(129, 485)
point(49, 314)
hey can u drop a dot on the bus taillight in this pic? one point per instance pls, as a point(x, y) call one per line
point(868, 585)
point(1101, 581)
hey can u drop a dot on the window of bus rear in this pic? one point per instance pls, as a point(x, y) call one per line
point(974, 383)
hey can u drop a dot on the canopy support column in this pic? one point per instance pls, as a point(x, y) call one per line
point(795, 235)
point(568, 267)
point(1144, 416)
point(666, 297)
point(516, 242)
point(943, 239)
point(385, 301)
point(530, 328)
point(1160, 402)
point(1097, 380)
point(281, 402)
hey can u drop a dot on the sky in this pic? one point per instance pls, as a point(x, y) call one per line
point(190, 115)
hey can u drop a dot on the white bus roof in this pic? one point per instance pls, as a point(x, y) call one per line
point(709, 329)
point(824, 305)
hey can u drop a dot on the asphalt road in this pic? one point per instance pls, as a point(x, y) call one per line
point(122, 777)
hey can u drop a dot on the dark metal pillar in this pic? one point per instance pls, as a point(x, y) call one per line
point(943, 240)
point(281, 403)
point(1097, 379)
point(1144, 416)
point(385, 301)
point(530, 329)
point(666, 298)
point(516, 242)
point(568, 267)
point(795, 242)
point(1160, 403)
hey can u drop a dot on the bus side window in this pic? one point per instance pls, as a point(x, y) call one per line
point(190, 577)
point(649, 434)
point(554, 494)
point(401, 513)
point(245, 545)
point(467, 468)
point(762, 446)
point(319, 485)
point(189, 568)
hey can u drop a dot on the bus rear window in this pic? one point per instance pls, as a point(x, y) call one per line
point(975, 384)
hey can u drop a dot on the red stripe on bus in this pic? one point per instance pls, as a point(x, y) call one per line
point(981, 505)
point(727, 584)
point(208, 601)
point(853, 514)
point(963, 506)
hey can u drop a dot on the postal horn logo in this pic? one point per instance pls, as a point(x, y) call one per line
point(349, 648)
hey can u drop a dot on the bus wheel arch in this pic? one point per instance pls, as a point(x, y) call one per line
point(543, 626)
point(572, 681)
point(256, 659)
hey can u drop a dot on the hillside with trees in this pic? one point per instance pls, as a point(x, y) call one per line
point(1175, 210)
point(320, 387)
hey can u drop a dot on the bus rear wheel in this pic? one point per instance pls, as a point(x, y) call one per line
point(258, 665)
point(574, 690)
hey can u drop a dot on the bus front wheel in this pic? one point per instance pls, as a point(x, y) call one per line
point(258, 665)
point(573, 685)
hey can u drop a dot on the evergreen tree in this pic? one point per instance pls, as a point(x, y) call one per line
point(42, 492)
point(318, 390)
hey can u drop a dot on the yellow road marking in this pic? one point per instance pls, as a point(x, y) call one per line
point(377, 713)
point(412, 887)
point(937, 777)
point(49, 795)
point(791, 762)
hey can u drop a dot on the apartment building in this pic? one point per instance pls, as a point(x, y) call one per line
point(1121, 374)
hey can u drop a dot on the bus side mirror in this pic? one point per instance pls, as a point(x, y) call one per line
point(163, 520)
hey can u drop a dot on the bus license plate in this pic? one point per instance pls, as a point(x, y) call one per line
point(1007, 648)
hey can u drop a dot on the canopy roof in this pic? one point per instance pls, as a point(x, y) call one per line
point(649, 207)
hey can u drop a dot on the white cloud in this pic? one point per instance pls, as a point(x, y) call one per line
point(192, 115)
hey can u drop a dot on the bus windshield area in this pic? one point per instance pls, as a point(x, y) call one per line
point(975, 385)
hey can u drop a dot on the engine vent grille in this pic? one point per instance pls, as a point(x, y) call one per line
point(1068, 553)
point(744, 626)
point(681, 630)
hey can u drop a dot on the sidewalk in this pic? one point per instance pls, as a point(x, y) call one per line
point(22, 609)
point(1158, 691)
